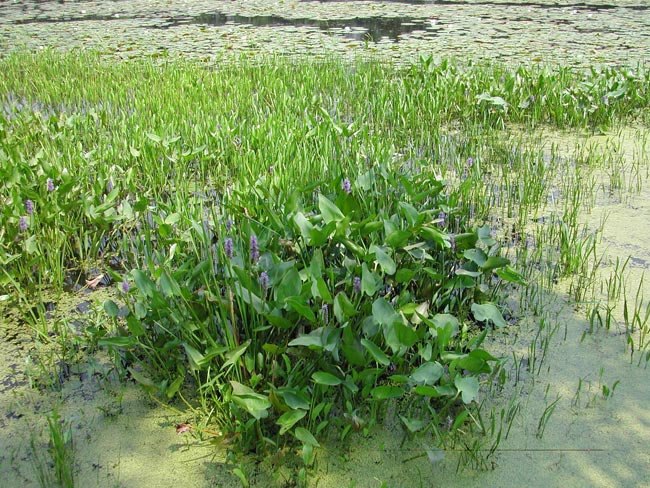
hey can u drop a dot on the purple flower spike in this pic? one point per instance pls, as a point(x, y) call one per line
point(125, 286)
point(29, 206)
point(23, 224)
point(356, 284)
point(255, 251)
point(228, 225)
point(452, 242)
point(50, 185)
point(442, 216)
point(470, 162)
point(265, 282)
point(227, 247)
point(346, 186)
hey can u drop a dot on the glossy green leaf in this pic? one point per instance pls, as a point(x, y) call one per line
point(427, 374)
point(299, 305)
point(488, 312)
point(385, 261)
point(143, 282)
point(323, 378)
point(306, 437)
point(329, 211)
point(468, 387)
point(385, 392)
point(289, 419)
point(375, 352)
point(233, 356)
point(111, 308)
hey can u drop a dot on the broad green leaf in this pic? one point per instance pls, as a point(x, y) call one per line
point(135, 326)
point(494, 262)
point(319, 289)
point(413, 425)
point(154, 137)
point(488, 312)
point(431, 234)
point(468, 386)
point(306, 437)
point(509, 274)
point(427, 374)
point(476, 255)
point(195, 357)
point(343, 307)
point(383, 313)
point(305, 226)
point(385, 261)
point(295, 400)
point(168, 285)
point(290, 285)
point(399, 337)
point(143, 282)
point(410, 213)
point(234, 355)
point(385, 392)
point(313, 339)
point(398, 238)
point(428, 391)
point(485, 236)
point(254, 403)
point(121, 342)
point(368, 281)
point(31, 245)
point(142, 379)
point(111, 308)
point(375, 352)
point(299, 305)
point(289, 419)
point(330, 212)
point(404, 275)
point(323, 378)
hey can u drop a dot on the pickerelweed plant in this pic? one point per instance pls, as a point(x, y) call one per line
point(297, 316)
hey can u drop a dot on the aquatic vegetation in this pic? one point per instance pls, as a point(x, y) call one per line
point(296, 248)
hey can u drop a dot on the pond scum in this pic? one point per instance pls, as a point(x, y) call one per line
point(297, 252)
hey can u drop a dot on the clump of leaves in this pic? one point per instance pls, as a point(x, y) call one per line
point(311, 312)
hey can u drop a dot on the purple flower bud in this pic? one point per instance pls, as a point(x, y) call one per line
point(29, 206)
point(356, 284)
point(442, 217)
point(470, 162)
point(227, 247)
point(325, 313)
point(50, 185)
point(452, 241)
point(255, 251)
point(228, 225)
point(264, 280)
point(125, 286)
point(23, 223)
point(109, 185)
point(346, 186)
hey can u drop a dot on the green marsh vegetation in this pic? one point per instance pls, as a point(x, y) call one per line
point(299, 249)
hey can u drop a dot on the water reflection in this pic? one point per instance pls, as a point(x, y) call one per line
point(367, 28)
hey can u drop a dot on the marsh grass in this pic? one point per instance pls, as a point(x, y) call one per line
point(56, 468)
point(268, 227)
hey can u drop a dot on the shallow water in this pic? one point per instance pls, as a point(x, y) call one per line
point(573, 33)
